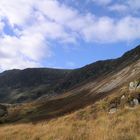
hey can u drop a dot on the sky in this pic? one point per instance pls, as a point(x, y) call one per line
point(66, 33)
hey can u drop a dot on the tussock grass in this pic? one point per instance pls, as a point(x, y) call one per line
point(85, 124)
point(90, 123)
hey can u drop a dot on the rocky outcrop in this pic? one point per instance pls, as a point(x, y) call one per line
point(112, 110)
point(130, 98)
point(135, 85)
point(134, 102)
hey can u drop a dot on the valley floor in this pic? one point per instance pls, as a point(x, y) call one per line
point(85, 124)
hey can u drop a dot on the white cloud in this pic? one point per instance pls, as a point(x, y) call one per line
point(17, 11)
point(19, 63)
point(108, 30)
point(128, 29)
point(35, 23)
point(60, 13)
point(21, 52)
point(99, 30)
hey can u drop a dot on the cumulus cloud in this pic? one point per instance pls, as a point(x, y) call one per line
point(108, 30)
point(17, 11)
point(35, 23)
point(17, 52)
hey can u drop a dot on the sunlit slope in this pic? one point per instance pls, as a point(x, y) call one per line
point(92, 122)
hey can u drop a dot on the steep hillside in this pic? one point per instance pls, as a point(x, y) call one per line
point(87, 92)
point(17, 86)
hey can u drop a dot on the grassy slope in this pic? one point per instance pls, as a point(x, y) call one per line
point(90, 123)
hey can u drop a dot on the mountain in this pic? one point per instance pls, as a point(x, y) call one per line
point(25, 85)
point(18, 86)
point(98, 101)
point(60, 91)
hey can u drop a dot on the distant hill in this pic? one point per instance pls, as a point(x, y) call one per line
point(17, 86)
point(25, 85)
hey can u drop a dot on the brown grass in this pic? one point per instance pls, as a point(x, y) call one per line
point(90, 123)
point(85, 124)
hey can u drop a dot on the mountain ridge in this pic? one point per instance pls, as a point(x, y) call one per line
point(76, 89)
point(17, 86)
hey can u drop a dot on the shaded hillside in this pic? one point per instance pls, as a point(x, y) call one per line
point(31, 77)
point(28, 84)
point(25, 85)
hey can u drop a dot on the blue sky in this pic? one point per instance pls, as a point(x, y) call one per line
point(66, 33)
